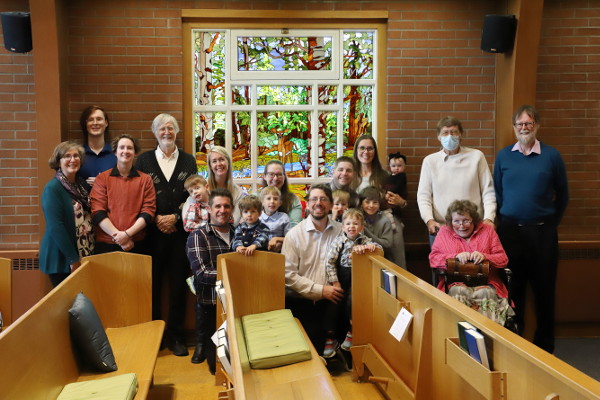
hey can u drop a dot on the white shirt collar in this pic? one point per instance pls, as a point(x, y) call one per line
point(537, 148)
point(160, 155)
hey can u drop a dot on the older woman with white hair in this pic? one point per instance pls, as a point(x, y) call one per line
point(169, 167)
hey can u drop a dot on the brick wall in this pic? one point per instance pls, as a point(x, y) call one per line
point(18, 159)
point(568, 94)
point(127, 56)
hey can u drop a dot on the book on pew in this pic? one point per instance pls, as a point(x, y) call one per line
point(223, 355)
point(383, 279)
point(477, 348)
point(392, 279)
point(462, 339)
point(388, 282)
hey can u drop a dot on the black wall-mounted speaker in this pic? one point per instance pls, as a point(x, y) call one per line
point(498, 34)
point(16, 28)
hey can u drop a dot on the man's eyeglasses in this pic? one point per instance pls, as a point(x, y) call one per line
point(520, 125)
point(454, 132)
point(321, 199)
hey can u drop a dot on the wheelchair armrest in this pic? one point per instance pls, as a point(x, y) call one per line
point(436, 274)
point(508, 274)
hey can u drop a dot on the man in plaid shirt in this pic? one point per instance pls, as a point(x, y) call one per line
point(203, 247)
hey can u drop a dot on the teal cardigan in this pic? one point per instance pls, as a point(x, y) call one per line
point(58, 249)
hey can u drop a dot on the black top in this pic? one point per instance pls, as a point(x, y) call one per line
point(170, 194)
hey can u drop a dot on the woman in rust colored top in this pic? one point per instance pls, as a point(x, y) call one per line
point(123, 202)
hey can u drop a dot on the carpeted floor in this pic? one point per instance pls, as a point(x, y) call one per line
point(581, 353)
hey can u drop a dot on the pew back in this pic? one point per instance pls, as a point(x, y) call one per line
point(520, 369)
point(256, 284)
point(36, 358)
point(5, 291)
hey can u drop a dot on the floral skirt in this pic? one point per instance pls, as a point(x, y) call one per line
point(484, 300)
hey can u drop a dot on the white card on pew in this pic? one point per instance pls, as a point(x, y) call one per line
point(401, 324)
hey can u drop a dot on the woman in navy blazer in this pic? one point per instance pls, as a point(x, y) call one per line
point(66, 206)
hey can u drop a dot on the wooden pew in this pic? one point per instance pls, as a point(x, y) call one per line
point(5, 292)
point(256, 284)
point(429, 364)
point(36, 356)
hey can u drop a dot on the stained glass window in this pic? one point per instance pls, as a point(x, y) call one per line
point(302, 97)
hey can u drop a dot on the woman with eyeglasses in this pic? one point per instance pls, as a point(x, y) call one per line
point(123, 202)
point(466, 238)
point(371, 173)
point(96, 144)
point(67, 212)
point(274, 175)
point(366, 157)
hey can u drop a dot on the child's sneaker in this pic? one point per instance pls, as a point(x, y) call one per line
point(330, 347)
point(347, 342)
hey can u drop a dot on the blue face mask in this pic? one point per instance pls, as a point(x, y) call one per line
point(450, 142)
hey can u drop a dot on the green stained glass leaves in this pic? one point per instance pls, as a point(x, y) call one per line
point(358, 55)
point(285, 136)
point(284, 53)
point(209, 68)
point(302, 97)
point(284, 95)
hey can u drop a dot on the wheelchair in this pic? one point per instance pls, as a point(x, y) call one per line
point(472, 275)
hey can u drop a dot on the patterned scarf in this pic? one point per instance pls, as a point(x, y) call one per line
point(76, 190)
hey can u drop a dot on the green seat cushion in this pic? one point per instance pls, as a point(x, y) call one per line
point(274, 339)
point(120, 387)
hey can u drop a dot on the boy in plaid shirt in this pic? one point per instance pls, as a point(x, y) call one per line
point(194, 213)
point(339, 274)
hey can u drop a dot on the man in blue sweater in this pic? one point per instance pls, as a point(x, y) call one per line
point(532, 194)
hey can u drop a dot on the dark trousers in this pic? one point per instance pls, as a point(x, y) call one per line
point(56, 279)
point(312, 316)
point(101, 248)
point(533, 257)
point(206, 325)
point(170, 264)
point(338, 316)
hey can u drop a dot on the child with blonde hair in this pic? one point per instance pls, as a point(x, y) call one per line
point(339, 274)
point(194, 213)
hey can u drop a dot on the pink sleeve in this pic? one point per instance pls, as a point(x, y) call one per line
point(442, 249)
point(496, 255)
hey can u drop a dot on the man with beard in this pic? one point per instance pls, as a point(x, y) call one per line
point(168, 167)
point(532, 194)
point(203, 247)
point(305, 249)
